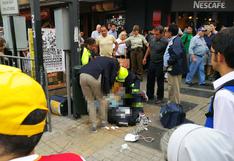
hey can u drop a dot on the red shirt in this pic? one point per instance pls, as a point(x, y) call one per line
point(62, 157)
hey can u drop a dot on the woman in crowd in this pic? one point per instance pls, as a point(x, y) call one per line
point(122, 49)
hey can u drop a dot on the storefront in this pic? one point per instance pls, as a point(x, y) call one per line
point(93, 13)
point(200, 12)
point(147, 13)
point(126, 13)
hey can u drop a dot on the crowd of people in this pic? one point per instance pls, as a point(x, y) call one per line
point(175, 55)
point(152, 51)
point(168, 52)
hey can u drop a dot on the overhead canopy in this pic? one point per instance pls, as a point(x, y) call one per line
point(202, 5)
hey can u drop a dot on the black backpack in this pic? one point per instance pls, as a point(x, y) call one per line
point(171, 115)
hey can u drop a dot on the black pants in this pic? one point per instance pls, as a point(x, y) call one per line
point(155, 71)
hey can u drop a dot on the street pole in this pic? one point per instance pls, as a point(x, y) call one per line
point(68, 82)
point(73, 16)
point(36, 27)
point(14, 45)
point(41, 74)
point(75, 58)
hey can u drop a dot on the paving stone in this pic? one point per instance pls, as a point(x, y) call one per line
point(74, 136)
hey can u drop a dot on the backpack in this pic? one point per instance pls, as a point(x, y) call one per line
point(178, 61)
point(171, 115)
point(210, 114)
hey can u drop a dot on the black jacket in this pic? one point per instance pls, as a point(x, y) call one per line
point(107, 67)
point(177, 59)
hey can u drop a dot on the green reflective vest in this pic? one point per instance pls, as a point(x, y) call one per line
point(85, 56)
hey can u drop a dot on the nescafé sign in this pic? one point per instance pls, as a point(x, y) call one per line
point(202, 5)
point(209, 5)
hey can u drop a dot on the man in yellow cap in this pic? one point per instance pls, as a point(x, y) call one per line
point(23, 110)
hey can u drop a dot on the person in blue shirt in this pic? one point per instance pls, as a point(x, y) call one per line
point(197, 50)
point(113, 31)
point(175, 62)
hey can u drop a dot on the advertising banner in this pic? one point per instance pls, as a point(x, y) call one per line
point(54, 59)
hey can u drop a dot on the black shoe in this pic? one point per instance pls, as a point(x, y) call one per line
point(159, 101)
point(189, 83)
point(203, 84)
point(150, 101)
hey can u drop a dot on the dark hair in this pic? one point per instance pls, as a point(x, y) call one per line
point(89, 41)
point(136, 28)
point(159, 28)
point(113, 24)
point(213, 23)
point(223, 43)
point(20, 146)
point(173, 28)
point(104, 26)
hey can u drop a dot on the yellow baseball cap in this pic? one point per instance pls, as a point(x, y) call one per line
point(122, 75)
point(20, 95)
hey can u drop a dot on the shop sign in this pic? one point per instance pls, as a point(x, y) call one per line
point(209, 4)
point(9, 7)
point(202, 5)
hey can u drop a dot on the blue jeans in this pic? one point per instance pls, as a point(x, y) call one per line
point(198, 65)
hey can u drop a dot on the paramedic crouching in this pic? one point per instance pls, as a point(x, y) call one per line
point(96, 80)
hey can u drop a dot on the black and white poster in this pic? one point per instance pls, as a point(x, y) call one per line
point(54, 59)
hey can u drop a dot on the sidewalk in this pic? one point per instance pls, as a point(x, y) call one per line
point(74, 136)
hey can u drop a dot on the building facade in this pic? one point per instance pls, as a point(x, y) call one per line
point(145, 13)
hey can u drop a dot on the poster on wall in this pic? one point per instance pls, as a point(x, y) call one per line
point(54, 59)
point(31, 53)
point(156, 18)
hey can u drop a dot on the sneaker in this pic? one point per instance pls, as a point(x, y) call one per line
point(103, 124)
point(189, 83)
point(150, 101)
point(203, 84)
point(93, 129)
point(158, 101)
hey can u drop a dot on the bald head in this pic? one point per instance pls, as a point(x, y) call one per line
point(98, 27)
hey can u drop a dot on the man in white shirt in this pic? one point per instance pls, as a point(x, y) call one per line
point(96, 33)
point(222, 60)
